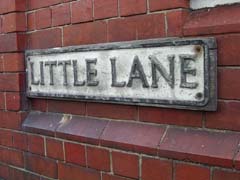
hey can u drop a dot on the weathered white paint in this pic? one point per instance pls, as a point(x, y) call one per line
point(198, 4)
point(123, 66)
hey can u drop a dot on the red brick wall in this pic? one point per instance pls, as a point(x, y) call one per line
point(143, 143)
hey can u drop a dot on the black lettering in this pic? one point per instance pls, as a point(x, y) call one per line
point(157, 66)
point(185, 69)
point(75, 75)
point(51, 64)
point(42, 81)
point(64, 64)
point(114, 75)
point(137, 73)
point(91, 72)
point(33, 81)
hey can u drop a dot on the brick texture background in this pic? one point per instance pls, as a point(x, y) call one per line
point(206, 143)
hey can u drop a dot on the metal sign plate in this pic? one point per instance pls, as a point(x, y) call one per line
point(170, 73)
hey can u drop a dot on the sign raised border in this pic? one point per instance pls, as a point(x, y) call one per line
point(210, 69)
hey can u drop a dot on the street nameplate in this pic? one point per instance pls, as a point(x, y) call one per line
point(176, 73)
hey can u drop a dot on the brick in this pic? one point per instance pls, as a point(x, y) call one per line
point(4, 171)
point(61, 15)
point(155, 169)
point(98, 158)
point(13, 101)
point(12, 42)
point(11, 120)
point(226, 117)
point(128, 7)
point(42, 123)
point(214, 148)
point(223, 175)
point(170, 116)
point(175, 28)
point(2, 100)
point(82, 129)
point(132, 136)
point(228, 84)
point(105, 9)
point(150, 26)
point(36, 4)
point(67, 172)
point(15, 158)
point(20, 141)
point(7, 6)
point(1, 25)
point(11, 157)
point(123, 29)
point(9, 41)
point(45, 39)
point(75, 153)
point(112, 177)
point(66, 107)
point(137, 27)
point(14, 22)
point(155, 5)
point(1, 57)
point(213, 21)
point(82, 11)
point(4, 158)
point(6, 138)
point(189, 172)
point(11, 82)
point(43, 18)
point(39, 105)
point(16, 174)
point(54, 149)
point(21, 42)
point(86, 33)
point(36, 144)
point(42, 178)
point(229, 44)
point(21, 175)
point(13, 62)
point(237, 160)
point(41, 165)
point(125, 164)
point(31, 21)
point(112, 111)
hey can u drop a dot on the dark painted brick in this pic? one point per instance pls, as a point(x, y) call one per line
point(43, 123)
point(214, 148)
point(132, 136)
point(82, 129)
